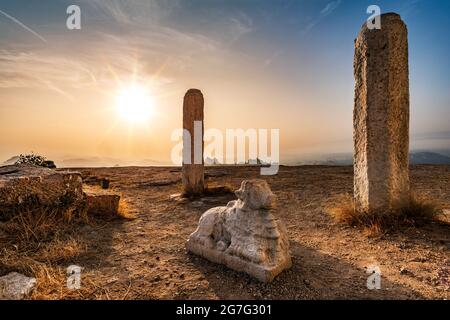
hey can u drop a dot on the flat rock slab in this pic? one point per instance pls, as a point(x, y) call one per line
point(15, 286)
point(27, 184)
point(101, 201)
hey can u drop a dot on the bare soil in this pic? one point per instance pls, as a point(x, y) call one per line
point(145, 257)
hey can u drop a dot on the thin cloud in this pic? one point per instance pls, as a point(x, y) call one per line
point(51, 72)
point(90, 66)
point(23, 26)
point(325, 12)
point(330, 7)
point(409, 7)
point(126, 12)
point(273, 57)
point(240, 26)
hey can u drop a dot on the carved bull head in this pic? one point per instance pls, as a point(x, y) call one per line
point(255, 195)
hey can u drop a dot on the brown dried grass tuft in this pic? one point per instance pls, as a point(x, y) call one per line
point(52, 284)
point(42, 243)
point(421, 211)
point(126, 211)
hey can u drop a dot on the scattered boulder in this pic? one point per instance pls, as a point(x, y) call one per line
point(245, 235)
point(105, 183)
point(101, 201)
point(15, 286)
point(24, 185)
point(49, 164)
point(406, 272)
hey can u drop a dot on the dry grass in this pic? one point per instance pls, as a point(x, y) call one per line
point(41, 243)
point(40, 224)
point(52, 284)
point(126, 211)
point(420, 211)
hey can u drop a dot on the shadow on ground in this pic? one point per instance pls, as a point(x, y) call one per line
point(305, 280)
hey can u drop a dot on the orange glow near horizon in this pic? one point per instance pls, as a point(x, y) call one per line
point(113, 93)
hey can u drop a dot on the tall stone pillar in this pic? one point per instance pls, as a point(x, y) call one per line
point(193, 165)
point(381, 118)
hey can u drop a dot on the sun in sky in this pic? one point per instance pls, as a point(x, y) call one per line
point(134, 103)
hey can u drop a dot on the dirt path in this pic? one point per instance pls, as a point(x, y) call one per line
point(145, 258)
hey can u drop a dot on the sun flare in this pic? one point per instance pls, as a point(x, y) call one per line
point(134, 103)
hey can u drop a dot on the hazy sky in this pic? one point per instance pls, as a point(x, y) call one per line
point(260, 64)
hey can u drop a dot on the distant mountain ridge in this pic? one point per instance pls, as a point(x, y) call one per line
point(106, 162)
point(10, 161)
point(342, 159)
point(415, 157)
point(94, 162)
point(428, 158)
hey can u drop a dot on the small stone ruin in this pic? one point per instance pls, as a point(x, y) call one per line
point(28, 187)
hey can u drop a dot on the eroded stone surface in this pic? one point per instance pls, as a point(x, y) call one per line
point(101, 201)
point(193, 172)
point(381, 117)
point(27, 184)
point(15, 286)
point(244, 235)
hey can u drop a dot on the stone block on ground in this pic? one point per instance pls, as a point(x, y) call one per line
point(28, 185)
point(245, 235)
point(15, 286)
point(101, 201)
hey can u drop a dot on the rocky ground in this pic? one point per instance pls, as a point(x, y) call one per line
point(145, 257)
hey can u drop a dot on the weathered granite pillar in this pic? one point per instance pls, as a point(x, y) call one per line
point(193, 165)
point(381, 118)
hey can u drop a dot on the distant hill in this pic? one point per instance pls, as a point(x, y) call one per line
point(10, 161)
point(415, 157)
point(341, 159)
point(442, 152)
point(94, 162)
point(428, 158)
